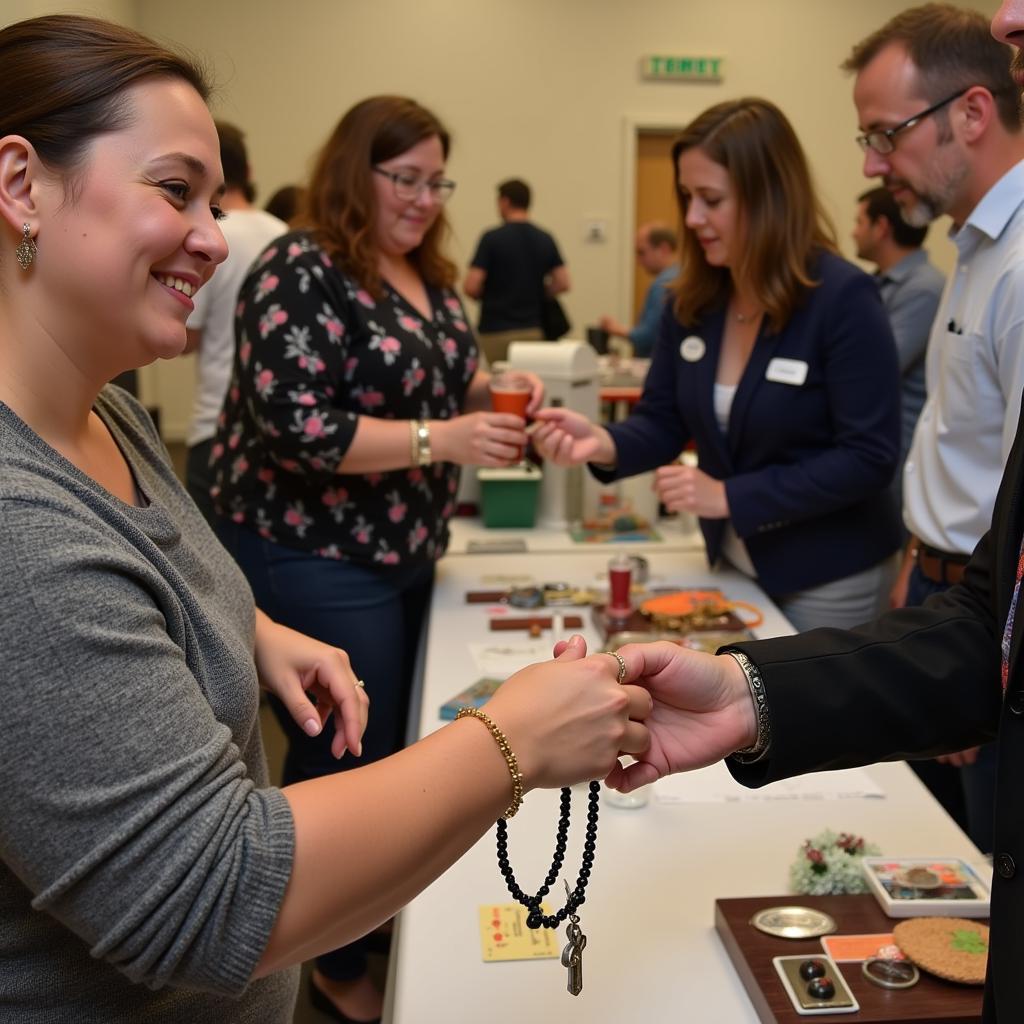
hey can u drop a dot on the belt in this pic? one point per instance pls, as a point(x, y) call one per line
point(940, 566)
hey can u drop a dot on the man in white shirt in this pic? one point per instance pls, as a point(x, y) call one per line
point(211, 325)
point(939, 114)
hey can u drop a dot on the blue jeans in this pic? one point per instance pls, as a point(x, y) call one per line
point(376, 615)
point(968, 794)
point(199, 479)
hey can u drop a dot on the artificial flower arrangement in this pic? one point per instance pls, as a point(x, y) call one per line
point(829, 864)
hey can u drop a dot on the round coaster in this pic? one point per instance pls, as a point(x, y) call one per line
point(793, 922)
point(951, 947)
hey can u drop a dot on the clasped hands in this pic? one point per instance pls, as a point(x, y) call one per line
point(568, 719)
point(676, 710)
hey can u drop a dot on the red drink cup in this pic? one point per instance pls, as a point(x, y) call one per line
point(620, 576)
point(510, 392)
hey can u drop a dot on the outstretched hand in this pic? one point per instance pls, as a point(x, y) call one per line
point(702, 711)
point(569, 719)
point(568, 438)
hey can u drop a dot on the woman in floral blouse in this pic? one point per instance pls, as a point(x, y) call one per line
point(355, 398)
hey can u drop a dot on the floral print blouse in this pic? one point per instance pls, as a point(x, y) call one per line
point(314, 352)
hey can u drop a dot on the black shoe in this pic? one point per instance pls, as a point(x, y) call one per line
point(325, 1004)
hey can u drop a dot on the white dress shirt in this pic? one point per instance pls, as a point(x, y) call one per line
point(975, 373)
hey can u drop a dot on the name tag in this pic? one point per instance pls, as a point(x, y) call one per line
point(786, 371)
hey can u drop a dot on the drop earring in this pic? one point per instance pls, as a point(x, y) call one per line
point(26, 249)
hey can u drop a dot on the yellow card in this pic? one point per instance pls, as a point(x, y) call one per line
point(504, 935)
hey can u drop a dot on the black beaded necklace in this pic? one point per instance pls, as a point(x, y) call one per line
point(572, 955)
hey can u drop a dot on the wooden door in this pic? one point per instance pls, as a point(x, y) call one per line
point(655, 195)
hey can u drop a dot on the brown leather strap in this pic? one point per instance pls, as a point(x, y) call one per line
point(939, 568)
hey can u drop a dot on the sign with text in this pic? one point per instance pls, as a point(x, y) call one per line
point(682, 69)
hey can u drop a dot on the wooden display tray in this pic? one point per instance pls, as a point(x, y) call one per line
point(637, 622)
point(931, 999)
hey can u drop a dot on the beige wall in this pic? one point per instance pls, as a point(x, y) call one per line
point(542, 89)
point(123, 11)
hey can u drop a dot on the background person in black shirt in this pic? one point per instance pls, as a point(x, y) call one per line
point(513, 267)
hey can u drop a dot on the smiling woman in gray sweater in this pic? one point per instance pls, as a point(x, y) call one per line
point(147, 869)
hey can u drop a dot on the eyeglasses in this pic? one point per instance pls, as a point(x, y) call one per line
point(408, 187)
point(881, 140)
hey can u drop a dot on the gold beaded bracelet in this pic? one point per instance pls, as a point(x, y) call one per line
point(506, 751)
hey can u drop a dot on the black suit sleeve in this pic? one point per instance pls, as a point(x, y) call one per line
point(915, 683)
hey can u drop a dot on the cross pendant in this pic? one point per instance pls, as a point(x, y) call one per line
point(572, 956)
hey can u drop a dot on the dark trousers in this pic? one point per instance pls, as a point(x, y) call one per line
point(199, 479)
point(377, 616)
point(967, 794)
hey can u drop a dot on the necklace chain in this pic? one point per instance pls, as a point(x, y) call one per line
point(535, 918)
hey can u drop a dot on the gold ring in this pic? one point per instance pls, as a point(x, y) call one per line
point(360, 684)
point(622, 664)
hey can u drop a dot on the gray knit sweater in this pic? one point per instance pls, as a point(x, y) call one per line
point(143, 856)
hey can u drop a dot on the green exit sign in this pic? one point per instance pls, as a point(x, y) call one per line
point(682, 69)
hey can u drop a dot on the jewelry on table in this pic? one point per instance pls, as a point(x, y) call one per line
point(572, 955)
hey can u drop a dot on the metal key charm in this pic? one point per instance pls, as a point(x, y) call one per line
point(572, 955)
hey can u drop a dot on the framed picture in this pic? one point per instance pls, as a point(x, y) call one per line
point(927, 886)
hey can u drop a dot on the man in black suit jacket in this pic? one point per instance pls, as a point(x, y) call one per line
point(918, 682)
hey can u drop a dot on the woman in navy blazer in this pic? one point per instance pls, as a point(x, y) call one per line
point(776, 358)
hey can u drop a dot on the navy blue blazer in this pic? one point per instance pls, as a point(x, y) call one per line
point(813, 438)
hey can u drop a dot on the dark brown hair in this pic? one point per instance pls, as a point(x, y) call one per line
point(517, 192)
point(234, 158)
point(341, 203)
point(952, 49)
point(878, 202)
point(63, 79)
point(786, 225)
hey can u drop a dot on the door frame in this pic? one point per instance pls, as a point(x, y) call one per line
point(632, 126)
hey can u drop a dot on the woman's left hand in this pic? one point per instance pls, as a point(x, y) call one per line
point(295, 667)
point(688, 489)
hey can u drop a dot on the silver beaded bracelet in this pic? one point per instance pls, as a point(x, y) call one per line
point(760, 698)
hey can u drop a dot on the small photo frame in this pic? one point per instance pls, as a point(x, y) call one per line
point(927, 886)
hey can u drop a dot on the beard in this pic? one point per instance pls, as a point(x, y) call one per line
point(933, 200)
point(921, 212)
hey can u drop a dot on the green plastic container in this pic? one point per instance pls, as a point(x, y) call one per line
point(508, 497)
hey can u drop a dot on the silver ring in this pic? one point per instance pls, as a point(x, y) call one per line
point(622, 664)
point(360, 684)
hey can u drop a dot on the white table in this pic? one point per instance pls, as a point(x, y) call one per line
point(652, 952)
point(468, 533)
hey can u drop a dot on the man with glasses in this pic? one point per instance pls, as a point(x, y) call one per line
point(939, 116)
point(513, 268)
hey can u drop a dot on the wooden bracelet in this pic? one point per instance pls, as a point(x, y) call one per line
point(506, 751)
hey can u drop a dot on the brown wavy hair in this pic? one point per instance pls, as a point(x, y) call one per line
point(786, 225)
point(341, 203)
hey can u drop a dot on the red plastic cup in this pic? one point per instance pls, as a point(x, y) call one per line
point(510, 392)
point(620, 576)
